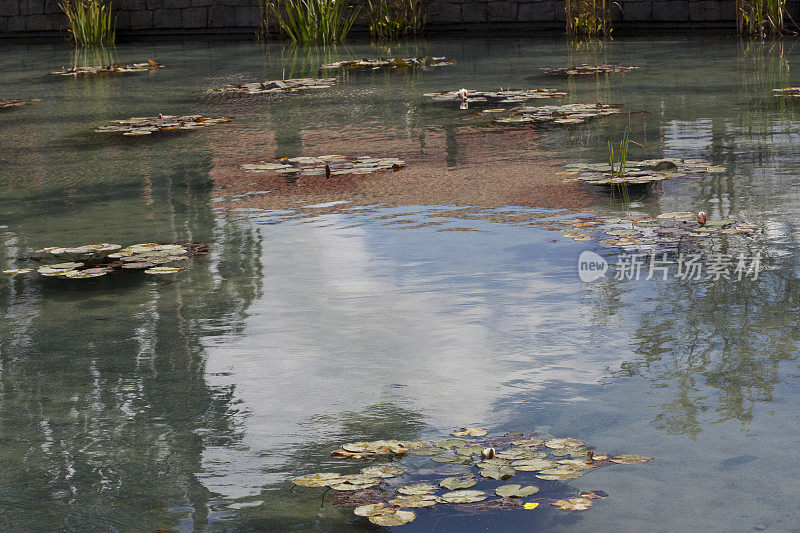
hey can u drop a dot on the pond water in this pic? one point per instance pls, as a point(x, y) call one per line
point(402, 305)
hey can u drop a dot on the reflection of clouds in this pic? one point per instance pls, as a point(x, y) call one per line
point(342, 326)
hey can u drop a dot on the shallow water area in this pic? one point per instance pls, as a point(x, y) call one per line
point(396, 305)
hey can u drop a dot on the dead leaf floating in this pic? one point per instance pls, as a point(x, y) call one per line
point(399, 63)
point(148, 125)
point(630, 459)
point(8, 103)
point(113, 68)
point(573, 504)
point(276, 86)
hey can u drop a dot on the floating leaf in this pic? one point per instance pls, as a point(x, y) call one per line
point(455, 483)
point(8, 103)
point(565, 114)
point(417, 500)
point(530, 505)
point(164, 270)
point(391, 63)
point(382, 471)
point(469, 431)
point(515, 491)
point(532, 465)
point(463, 496)
point(469, 450)
point(573, 504)
point(503, 472)
point(531, 442)
point(398, 518)
point(17, 271)
point(587, 70)
point(353, 486)
point(451, 443)
point(495, 97)
point(629, 459)
point(594, 494)
point(113, 68)
point(322, 479)
point(325, 165)
point(276, 86)
point(373, 509)
point(563, 443)
point(453, 459)
point(161, 123)
point(418, 489)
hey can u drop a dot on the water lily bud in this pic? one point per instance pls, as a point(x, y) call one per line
point(463, 94)
point(701, 217)
point(487, 453)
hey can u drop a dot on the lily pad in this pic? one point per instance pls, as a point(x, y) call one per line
point(330, 166)
point(397, 518)
point(563, 443)
point(418, 489)
point(503, 472)
point(417, 500)
point(8, 103)
point(573, 504)
point(532, 465)
point(322, 479)
point(17, 271)
point(455, 483)
point(161, 123)
point(164, 270)
point(629, 459)
point(587, 70)
point(453, 459)
point(276, 86)
point(463, 496)
point(469, 432)
point(382, 471)
point(492, 98)
point(531, 442)
point(565, 114)
point(373, 509)
point(515, 491)
point(447, 444)
point(113, 68)
point(390, 63)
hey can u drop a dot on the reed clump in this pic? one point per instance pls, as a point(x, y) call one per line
point(90, 21)
point(588, 18)
point(760, 18)
point(391, 21)
point(314, 21)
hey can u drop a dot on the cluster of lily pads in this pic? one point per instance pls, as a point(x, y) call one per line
point(113, 68)
point(326, 165)
point(586, 70)
point(391, 63)
point(787, 91)
point(507, 96)
point(642, 231)
point(564, 114)
point(150, 125)
point(276, 86)
point(639, 172)
point(95, 260)
point(7, 103)
point(496, 459)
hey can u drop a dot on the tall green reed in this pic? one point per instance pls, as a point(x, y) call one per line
point(314, 21)
point(391, 22)
point(761, 17)
point(588, 18)
point(90, 21)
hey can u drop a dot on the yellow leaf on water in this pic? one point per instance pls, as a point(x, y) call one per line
point(531, 505)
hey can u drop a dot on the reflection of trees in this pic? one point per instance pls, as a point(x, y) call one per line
point(104, 407)
point(717, 347)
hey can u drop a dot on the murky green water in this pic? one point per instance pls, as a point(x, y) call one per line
point(326, 316)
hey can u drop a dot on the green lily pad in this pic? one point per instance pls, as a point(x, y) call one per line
point(563, 443)
point(533, 441)
point(532, 465)
point(322, 479)
point(382, 471)
point(397, 518)
point(451, 443)
point(417, 500)
point(373, 509)
point(418, 489)
point(515, 491)
point(463, 496)
point(469, 432)
point(455, 483)
point(503, 472)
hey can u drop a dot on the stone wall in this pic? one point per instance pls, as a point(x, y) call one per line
point(21, 17)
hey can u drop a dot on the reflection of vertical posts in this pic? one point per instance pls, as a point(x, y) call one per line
point(451, 145)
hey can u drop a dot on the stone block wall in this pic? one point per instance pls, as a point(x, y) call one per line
point(23, 17)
